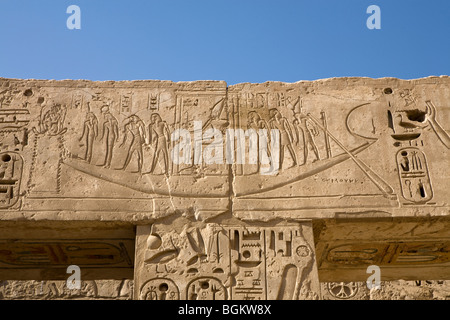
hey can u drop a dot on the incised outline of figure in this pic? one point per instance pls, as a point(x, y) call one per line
point(159, 137)
point(90, 130)
point(304, 134)
point(256, 123)
point(110, 134)
point(136, 128)
point(277, 121)
point(52, 119)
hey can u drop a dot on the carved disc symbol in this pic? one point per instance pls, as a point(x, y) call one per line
point(302, 251)
point(343, 290)
point(160, 289)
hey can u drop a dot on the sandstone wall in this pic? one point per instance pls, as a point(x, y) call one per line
point(200, 190)
point(122, 290)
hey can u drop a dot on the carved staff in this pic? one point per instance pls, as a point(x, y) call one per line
point(327, 138)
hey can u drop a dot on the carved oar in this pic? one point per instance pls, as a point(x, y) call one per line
point(380, 183)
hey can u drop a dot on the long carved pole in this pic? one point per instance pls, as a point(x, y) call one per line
point(380, 183)
point(327, 140)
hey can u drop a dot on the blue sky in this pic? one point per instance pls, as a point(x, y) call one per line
point(234, 40)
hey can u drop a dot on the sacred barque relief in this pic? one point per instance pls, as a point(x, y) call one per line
point(227, 185)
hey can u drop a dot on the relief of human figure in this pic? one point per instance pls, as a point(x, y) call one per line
point(216, 119)
point(304, 135)
point(90, 130)
point(280, 123)
point(52, 119)
point(135, 128)
point(159, 136)
point(110, 133)
point(255, 123)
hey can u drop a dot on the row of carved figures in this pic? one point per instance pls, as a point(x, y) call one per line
point(134, 131)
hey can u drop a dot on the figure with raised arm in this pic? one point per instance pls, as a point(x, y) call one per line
point(135, 129)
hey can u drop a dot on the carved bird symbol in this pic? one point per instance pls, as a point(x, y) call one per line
point(407, 125)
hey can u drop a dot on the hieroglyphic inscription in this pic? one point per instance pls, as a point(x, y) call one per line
point(14, 134)
point(226, 262)
point(37, 253)
point(11, 166)
point(160, 289)
point(391, 253)
point(125, 134)
point(414, 176)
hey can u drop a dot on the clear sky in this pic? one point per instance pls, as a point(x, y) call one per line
point(234, 40)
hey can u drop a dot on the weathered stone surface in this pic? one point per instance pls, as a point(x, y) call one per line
point(44, 250)
point(57, 290)
point(121, 290)
point(221, 262)
point(403, 248)
point(208, 191)
point(82, 150)
point(352, 147)
point(65, 141)
point(389, 290)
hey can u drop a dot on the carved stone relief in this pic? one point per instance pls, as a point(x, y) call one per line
point(203, 145)
point(58, 290)
point(220, 262)
point(120, 290)
point(251, 167)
